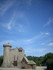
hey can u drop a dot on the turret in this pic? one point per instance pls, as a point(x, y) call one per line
point(6, 59)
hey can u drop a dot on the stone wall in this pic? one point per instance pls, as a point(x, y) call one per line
point(15, 55)
point(25, 65)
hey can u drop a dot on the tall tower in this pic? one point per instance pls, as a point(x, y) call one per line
point(6, 59)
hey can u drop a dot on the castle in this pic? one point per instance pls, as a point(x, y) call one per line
point(16, 58)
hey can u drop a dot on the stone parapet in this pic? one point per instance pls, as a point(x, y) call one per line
point(7, 45)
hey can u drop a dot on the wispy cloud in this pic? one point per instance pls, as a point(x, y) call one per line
point(18, 22)
point(35, 38)
point(45, 33)
point(4, 7)
point(22, 23)
point(10, 24)
point(25, 2)
point(50, 21)
point(25, 41)
point(31, 40)
point(22, 41)
point(50, 44)
point(35, 50)
point(20, 28)
point(28, 2)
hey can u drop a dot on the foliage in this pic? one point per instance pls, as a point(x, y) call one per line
point(43, 60)
point(47, 57)
point(1, 60)
point(50, 64)
point(46, 60)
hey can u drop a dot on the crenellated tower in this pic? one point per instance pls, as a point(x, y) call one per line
point(6, 59)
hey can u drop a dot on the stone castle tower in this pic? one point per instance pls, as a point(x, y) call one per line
point(6, 59)
point(16, 58)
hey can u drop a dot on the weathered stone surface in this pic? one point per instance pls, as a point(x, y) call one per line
point(14, 57)
point(6, 60)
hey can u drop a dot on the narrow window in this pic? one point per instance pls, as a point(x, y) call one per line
point(20, 50)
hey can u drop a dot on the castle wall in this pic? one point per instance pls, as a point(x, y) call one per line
point(15, 55)
point(20, 55)
point(24, 64)
point(33, 66)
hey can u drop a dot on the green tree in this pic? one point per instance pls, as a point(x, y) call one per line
point(1, 60)
point(43, 60)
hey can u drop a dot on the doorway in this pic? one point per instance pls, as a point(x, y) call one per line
point(15, 63)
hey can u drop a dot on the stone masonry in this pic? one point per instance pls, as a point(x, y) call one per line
point(16, 58)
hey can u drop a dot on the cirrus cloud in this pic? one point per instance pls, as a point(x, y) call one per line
point(50, 44)
point(50, 21)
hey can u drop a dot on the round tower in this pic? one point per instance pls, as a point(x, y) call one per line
point(6, 59)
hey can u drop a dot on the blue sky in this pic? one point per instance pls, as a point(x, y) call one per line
point(27, 24)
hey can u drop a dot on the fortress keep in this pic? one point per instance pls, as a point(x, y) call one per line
point(16, 58)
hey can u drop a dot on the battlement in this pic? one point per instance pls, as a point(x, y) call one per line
point(7, 45)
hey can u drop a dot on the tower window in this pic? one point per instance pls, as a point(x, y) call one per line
point(20, 50)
